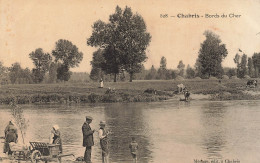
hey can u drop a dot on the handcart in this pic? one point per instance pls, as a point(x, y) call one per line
point(46, 152)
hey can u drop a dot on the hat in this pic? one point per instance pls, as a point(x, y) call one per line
point(89, 118)
point(56, 127)
point(102, 123)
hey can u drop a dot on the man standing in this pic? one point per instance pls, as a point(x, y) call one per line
point(88, 141)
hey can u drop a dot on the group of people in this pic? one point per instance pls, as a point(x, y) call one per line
point(103, 134)
point(88, 140)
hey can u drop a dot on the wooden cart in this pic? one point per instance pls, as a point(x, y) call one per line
point(46, 152)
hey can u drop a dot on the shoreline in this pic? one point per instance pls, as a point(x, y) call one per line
point(126, 92)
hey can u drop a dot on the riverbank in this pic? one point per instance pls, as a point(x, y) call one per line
point(137, 91)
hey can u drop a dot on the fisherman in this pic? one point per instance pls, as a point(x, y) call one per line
point(10, 136)
point(88, 140)
point(103, 135)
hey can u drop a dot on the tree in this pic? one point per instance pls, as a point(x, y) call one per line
point(211, 54)
point(243, 71)
point(41, 61)
point(190, 73)
point(256, 63)
point(97, 64)
point(181, 67)
point(152, 74)
point(4, 78)
point(53, 72)
point(63, 72)
point(237, 61)
point(124, 40)
point(18, 75)
point(68, 56)
point(162, 71)
point(250, 67)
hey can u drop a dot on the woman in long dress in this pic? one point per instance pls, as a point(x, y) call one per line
point(56, 136)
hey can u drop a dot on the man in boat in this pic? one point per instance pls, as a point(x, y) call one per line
point(10, 136)
point(88, 140)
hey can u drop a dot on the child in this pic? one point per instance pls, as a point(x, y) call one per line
point(133, 149)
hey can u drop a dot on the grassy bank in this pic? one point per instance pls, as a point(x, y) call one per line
point(124, 91)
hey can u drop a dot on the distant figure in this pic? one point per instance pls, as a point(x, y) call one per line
point(181, 87)
point(101, 83)
point(56, 136)
point(10, 136)
point(186, 95)
point(103, 136)
point(88, 140)
point(133, 149)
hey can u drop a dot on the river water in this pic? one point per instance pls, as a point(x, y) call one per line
point(170, 131)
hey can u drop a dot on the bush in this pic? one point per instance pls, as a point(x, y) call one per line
point(225, 77)
point(179, 78)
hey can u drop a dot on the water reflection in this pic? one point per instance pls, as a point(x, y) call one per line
point(124, 123)
point(213, 118)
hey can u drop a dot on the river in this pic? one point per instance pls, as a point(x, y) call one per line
point(169, 131)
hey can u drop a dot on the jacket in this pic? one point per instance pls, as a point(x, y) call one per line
point(88, 140)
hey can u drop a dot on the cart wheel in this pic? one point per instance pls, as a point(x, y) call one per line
point(35, 156)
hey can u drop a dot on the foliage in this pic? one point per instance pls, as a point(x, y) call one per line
point(256, 63)
point(211, 54)
point(250, 67)
point(97, 64)
point(18, 75)
point(124, 40)
point(42, 62)
point(4, 78)
point(152, 74)
point(53, 72)
point(63, 73)
point(68, 55)
point(181, 68)
point(20, 121)
point(241, 65)
point(190, 73)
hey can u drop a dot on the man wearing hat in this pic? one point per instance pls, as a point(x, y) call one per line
point(103, 136)
point(88, 141)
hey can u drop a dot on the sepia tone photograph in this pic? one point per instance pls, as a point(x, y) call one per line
point(129, 81)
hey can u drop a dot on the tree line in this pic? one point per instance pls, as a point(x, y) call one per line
point(52, 67)
point(121, 45)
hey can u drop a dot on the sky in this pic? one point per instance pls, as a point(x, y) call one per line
point(30, 24)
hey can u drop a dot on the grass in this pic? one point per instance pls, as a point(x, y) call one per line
point(121, 91)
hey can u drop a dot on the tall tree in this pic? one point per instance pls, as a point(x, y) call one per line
point(41, 62)
point(250, 67)
point(162, 71)
point(68, 55)
point(181, 68)
point(211, 54)
point(256, 63)
point(124, 39)
point(237, 61)
point(243, 64)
